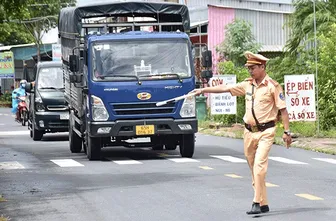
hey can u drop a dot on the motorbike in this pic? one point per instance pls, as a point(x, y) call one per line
point(23, 111)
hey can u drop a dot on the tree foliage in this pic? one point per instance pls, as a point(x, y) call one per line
point(238, 39)
point(25, 21)
point(299, 57)
point(302, 21)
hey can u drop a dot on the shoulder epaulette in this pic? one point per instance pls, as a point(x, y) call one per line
point(275, 83)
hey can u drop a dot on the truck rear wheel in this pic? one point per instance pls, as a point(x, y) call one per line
point(93, 148)
point(187, 145)
point(75, 141)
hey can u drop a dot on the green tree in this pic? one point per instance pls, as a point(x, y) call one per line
point(302, 21)
point(11, 33)
point(42, 17)
point(35, 17)
point(327, 77)
point(238, 39)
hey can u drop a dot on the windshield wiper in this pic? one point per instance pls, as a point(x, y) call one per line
point(168, 74)
point(54, 88)
point(48, 88)
point(123, 76)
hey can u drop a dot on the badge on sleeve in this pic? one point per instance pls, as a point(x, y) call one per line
point(281, 96)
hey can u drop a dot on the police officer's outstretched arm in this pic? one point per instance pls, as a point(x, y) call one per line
point(235, 90)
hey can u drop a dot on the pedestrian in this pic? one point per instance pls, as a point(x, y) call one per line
point(264, 98)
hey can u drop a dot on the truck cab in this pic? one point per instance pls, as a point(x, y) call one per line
point(48, 110)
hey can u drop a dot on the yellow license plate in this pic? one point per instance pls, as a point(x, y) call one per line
point(144, 129)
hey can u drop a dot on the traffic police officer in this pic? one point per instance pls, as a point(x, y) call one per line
point(264, 98)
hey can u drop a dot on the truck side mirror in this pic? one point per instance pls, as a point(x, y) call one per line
point(28, 87)
point(207, 74)
point(207, 59)
point(74, 63)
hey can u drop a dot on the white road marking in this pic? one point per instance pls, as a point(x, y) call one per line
point(12, 133)
point(229, 158)
point(10, 165)
point(206, 168)
point(328, 160)
point(183, 160)
point(126, 162)
point(67, 163)
point(285, 160)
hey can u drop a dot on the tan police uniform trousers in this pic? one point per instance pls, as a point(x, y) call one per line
point(256, 148)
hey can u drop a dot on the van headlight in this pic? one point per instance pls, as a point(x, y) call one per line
point(188, 107)
point(39, 104)
point(99, 112)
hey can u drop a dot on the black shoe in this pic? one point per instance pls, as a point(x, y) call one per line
point(255, 209)
point(264, 209)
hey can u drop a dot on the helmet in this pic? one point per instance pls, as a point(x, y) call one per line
point(23, 83)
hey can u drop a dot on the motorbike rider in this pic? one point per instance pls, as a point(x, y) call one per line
point(18, 92)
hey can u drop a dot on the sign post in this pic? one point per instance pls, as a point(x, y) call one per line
point(300, 97)
point(223, 103)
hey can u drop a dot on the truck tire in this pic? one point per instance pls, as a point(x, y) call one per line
point(93, 148)
point(187, 145)
point(75, 141)
point(36, 134)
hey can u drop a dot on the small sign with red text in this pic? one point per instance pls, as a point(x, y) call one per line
point(223, 103)
point(300, 97)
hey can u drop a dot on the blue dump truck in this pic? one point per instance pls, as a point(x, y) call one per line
point(119, 60)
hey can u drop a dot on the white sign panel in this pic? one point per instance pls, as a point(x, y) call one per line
point(300, 97)
point(56, 52)
point(223, 103)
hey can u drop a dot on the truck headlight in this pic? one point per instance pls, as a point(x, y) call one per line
point(188, 107)
point(99, 112)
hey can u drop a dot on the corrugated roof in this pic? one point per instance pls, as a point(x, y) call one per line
point(9, 47)
point(271, 48)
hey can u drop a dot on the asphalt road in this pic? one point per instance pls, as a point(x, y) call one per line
point(42, 180)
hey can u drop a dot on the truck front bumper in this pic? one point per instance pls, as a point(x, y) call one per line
point(131, 128)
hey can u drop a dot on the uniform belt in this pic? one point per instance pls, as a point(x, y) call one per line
point(260, 127)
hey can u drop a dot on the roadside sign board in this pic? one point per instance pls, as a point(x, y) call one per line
point(300, 97)
point(223, 103)
point(7, 64)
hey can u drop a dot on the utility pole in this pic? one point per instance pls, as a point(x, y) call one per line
point(316, 75)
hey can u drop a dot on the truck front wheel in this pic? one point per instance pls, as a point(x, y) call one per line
point(93, 147)
point(187, 145)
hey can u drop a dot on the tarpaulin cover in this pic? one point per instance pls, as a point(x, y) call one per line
point(70, 18)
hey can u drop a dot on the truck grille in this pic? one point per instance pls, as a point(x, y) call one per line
point(57, 107)
point(141, 108)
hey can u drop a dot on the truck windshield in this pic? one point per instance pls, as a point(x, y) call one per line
point(50, 78)
point(155, 59)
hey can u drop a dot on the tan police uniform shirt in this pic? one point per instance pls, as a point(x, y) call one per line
point(268, 99)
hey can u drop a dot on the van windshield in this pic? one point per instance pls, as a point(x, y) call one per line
point(50, 77)
point(155, 59)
